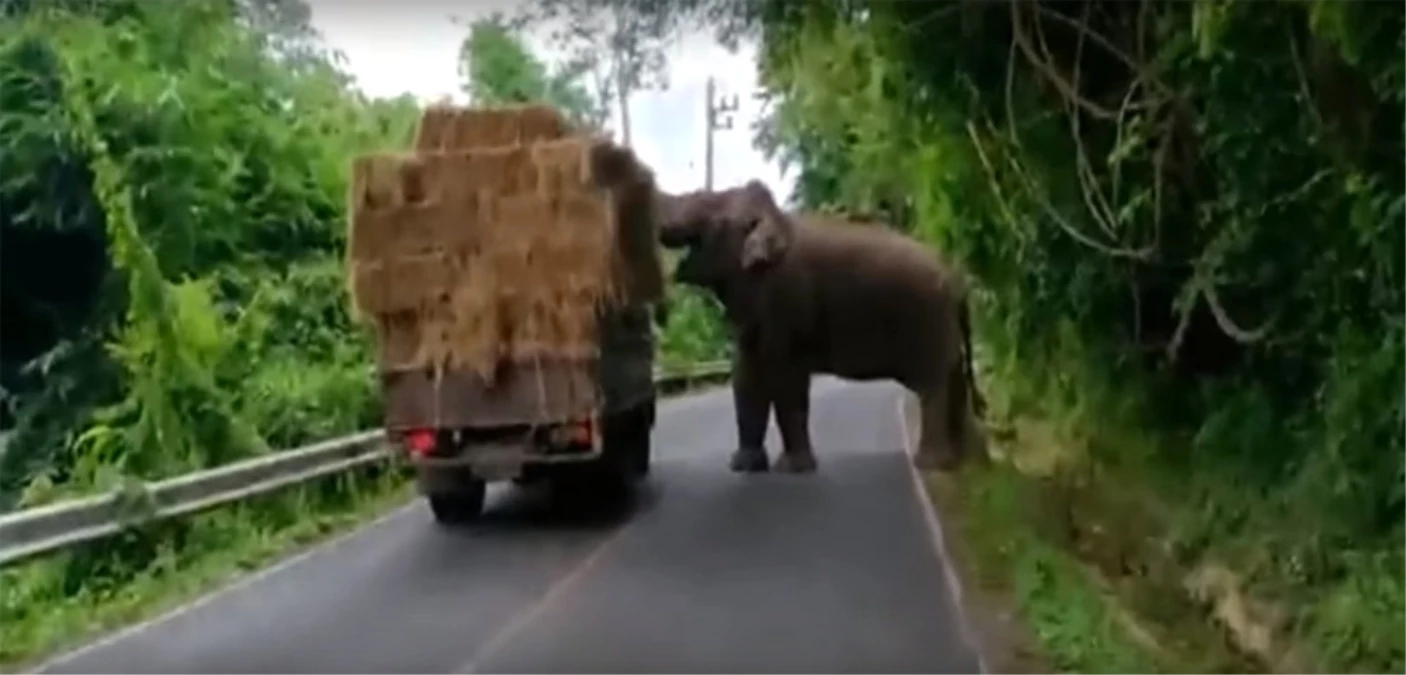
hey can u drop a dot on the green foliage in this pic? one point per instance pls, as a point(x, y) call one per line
point(172, 201)
point(696, 331)
point(1065, 609)
point(1195, 207)
point(172, 186)
point(620, 44)
point(205, 172)
point(498, 67)
point(59, 603)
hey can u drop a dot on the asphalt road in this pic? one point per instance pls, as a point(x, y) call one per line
point(708, 571)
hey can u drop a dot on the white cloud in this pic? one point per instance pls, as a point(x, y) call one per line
point(413, 47)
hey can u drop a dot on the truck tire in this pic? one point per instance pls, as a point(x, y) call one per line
point(641, 450)
point(628, 443)
point(461, 506)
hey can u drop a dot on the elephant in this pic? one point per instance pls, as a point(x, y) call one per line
point(815, 294)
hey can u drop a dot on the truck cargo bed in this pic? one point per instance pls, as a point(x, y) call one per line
point(531, 393)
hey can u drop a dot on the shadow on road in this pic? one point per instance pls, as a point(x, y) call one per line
point(541, 508)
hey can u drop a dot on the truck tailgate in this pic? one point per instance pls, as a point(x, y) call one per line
point(549, 390)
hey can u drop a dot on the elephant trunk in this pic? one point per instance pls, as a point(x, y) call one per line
point(673, 235)
point(674, 230)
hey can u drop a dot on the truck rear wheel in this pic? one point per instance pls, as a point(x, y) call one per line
point(628, 441)
point(641, 450)
point(459, 507)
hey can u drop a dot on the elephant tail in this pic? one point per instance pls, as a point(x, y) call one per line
point(965, 322)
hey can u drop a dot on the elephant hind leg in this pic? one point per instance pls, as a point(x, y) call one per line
point(968, 440)
point(950, 432)
point(935, 449)
point(792, 405)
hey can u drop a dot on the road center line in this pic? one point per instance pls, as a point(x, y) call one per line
point(572, 578)
point(549, 601)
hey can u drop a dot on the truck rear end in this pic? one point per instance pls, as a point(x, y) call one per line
point(582, 424)
point(511, 294)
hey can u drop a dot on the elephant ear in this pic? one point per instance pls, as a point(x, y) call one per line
point(771, 230)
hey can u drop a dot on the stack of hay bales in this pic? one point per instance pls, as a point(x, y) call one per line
point(499, 239)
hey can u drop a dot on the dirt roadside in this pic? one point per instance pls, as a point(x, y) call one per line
point(992, 617)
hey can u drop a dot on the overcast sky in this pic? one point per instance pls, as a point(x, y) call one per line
point(412, 46)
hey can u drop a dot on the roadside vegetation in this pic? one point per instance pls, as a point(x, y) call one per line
point(172, 189)
point(1186, 222)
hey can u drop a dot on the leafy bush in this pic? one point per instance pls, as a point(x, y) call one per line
point(1186, 220)
point(212, 174)
point(172, 190)
point(695, 331)
point(172, 206)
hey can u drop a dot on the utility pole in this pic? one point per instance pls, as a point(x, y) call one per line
point(719, 118)
point(623, 95)
point(622, 84)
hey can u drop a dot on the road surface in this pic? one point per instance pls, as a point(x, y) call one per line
point(708, 571)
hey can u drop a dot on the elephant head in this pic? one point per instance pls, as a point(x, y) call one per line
point(726, 233)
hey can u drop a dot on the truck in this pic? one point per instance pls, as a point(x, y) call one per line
point(511, 266)
point(460, 433)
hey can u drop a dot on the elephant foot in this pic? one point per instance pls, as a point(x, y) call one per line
point(748, 460)
point(795, 462)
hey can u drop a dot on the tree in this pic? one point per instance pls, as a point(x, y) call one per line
point(285, 26)
point(497, 67)
point(623, 42)
point(633, 55)
point(115, 295)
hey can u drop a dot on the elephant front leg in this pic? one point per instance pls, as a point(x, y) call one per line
point(792, 400)
point(753, 406)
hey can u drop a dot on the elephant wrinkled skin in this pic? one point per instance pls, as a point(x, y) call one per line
point(813, 294)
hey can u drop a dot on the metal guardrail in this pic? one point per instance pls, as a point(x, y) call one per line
point(53, 527)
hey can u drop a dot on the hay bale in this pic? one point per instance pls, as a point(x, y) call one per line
point(450, 178)
point(405, 283)
point(368, 287)
point(481, 248)
point(472, 328)
point(409, 205)
point(447, 127)
point(434, 124)
point(398, 336)
point(538, 123)
point(415, 230)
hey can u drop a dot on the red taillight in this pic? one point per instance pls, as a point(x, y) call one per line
point(573, 433)
point(420, 441)
point(581, 433)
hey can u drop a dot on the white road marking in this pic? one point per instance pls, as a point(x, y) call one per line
point(201, 601)
point(672, 405)
point(949, 574)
